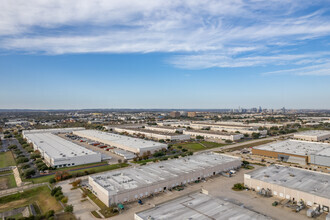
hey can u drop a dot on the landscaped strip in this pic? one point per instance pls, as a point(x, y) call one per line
point(79, 169)
point(40, 195)
point(7, 159)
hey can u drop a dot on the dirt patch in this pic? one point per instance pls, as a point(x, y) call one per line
point(3, 183)
point(9, 205)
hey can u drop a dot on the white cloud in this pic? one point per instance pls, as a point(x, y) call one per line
point(224, 60)
point(314, 70)
point(211, 33)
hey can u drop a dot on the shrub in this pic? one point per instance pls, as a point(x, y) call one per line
point(25, 166)
point(238, 186)
point(29, 172)
point(68, 208)
point(64, 200)
point(55, 189)
point(22, 160)
point(159, 154)
point(12, 147)
point(35, 156)
point(52, 180)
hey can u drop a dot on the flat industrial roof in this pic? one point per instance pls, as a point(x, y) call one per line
point(131, 178)
point(53, 130)
point(199, 206)
point(57, 147)
point(213, 132)
point(299, 179)
point(302, 148)
point(131, 142)
point(224, 125)
point(313, 133)
point(152, 131)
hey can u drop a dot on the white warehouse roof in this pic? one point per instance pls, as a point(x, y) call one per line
point(53, 130)
point(121, 141)
point(303, 148)
point(57, 147)
point(299, 179)
point(198, 206)
point(137, 177)
point(314, 133)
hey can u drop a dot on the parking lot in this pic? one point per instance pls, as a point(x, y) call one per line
point(114, 157)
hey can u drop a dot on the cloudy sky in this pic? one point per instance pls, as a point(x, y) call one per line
point(164, 54)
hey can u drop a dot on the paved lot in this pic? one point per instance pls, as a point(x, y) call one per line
point(220, 186)
point(82, 210)
point(114, 158)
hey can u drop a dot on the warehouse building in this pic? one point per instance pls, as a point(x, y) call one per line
point(313, 135)
point(123, 142)
point(53, 130)
point(153, 134)
point(58, 152)
point(198, 206)
point(294, 184)
point(244, 129)
point(294, 151)
point(165, 129)
point(214, 134)
point(138, 182)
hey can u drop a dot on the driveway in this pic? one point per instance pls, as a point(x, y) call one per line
point(82, 210)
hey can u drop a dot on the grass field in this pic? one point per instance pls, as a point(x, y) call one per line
point(250, 145)
point(39, 195)
point(96, 169)
point(203, 145)
point(7, 159)
point(65, 216)
point(212, 144)
point(7, 182)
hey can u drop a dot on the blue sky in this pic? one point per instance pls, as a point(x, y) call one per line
point(164, 54)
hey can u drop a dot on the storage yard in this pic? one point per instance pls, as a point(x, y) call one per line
point(139, 182)
point(313, 188)
point(57, 151)
point(123, 142)
point(294, 151)
point(198, 206)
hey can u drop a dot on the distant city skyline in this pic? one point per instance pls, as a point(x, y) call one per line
point(155, 54)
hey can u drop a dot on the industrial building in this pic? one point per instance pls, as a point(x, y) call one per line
point(53, 130)
point(138, 182)
point(135, 145)
point(153, 134)
point(214, 134)
point(198, 206)
point(294, 184)
point(313, 135)
point(294, 151)
point(165, 129)
point(244, 129)
point(58, 152)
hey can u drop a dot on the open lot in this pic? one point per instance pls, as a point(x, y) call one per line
point(7, 159)
point(7, 181)
point(198, 146)
point(40, 196)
